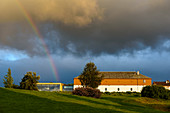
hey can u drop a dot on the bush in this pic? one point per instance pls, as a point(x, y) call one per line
point(129, 92)
point(107, 93)
point(167, 96)
point(155, 91)
point(15, 86)
point(89, 92)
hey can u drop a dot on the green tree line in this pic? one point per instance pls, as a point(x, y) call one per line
point(29, 81)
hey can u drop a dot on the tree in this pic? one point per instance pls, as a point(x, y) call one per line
point(8, 81)
point(90, 76)
point(29, 81)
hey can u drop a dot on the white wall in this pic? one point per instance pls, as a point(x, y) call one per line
point(114, 88)
point(167, 87)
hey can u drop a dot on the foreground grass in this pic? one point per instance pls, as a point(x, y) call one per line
point(19, 101)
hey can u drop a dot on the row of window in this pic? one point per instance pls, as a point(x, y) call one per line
point(118, 89)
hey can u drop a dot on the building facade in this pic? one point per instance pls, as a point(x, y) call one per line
point(120, 82)
point(50, 86)
point(165, 84)
point(54, 87)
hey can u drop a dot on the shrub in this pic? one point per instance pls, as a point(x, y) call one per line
point(167, 96)
point(128, 92)
point(89, 92)
point(108, 93)
point(15, 86)
point(137, 94)
point(155, 91)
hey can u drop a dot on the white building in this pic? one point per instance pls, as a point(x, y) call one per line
point(120, 82)
point(165, 84)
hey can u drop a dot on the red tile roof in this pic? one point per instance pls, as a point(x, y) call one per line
point(166, 83)
point(122, 75)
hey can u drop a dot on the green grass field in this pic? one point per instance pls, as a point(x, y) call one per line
point(25, 101)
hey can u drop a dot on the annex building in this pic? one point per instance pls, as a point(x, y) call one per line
point(54, 87)
point(120, 82)
point(165, 84)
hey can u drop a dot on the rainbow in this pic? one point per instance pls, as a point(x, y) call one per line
point(40, 37)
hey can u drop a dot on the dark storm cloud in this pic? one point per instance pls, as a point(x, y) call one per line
point(16, 32)
point(17, 36)
point(126, 26)
point(93, 27)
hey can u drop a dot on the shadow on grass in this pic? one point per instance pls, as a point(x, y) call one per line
point(14, 102)
point(161, 107)
point(123, 104)
point(133, 105)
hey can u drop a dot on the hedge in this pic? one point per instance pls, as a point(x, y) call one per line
point(155, 91)
point(89, 92)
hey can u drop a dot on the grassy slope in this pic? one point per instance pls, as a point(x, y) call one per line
point(19, 101)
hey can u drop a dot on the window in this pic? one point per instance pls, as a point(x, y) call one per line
point(144, 81)
point(131, 89)
point(118, 89)
point(105, 89)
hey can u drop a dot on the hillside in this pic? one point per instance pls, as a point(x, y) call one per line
point(24, 101)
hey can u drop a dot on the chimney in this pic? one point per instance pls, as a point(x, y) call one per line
point(137, 73)
point(167, 81)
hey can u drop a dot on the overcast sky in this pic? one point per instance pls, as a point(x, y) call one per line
point(116, 35)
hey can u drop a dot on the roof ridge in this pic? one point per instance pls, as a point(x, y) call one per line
point(117, 71)
point(121, 74)
point(159, 81)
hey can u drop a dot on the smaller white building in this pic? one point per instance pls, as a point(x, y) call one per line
point(165, 84)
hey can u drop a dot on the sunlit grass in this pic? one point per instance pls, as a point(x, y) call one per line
point(16, 100)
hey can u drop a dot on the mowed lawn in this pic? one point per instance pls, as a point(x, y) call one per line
point(25, 101)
